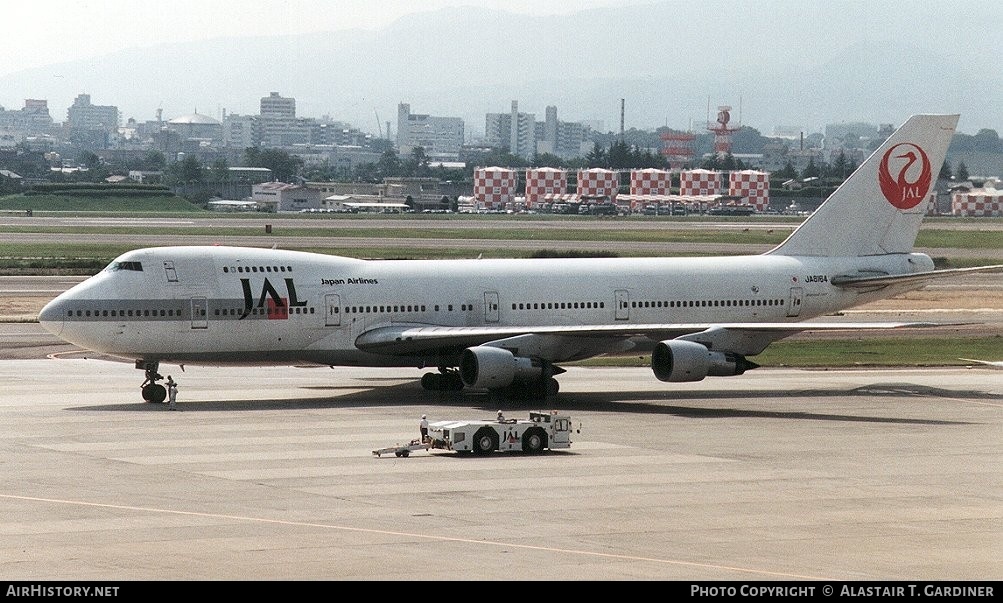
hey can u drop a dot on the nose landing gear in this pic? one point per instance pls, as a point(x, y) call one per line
point(152, 391)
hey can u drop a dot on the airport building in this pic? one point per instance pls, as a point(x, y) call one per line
point(752, 186)
point(650, 181)
point(699, 183)
point(418, 194)
point(649, 187)
point(542, 184)
point(494, 187)
point(981, 202)
point(597, 184)
point(283, 197)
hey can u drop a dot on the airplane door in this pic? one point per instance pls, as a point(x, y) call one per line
point(622, 301)
point(200, 313)
point(172, 274)
point(333, 303)
point(490, 306)
point(794, 303)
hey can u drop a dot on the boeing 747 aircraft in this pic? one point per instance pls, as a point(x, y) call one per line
point(508, 324)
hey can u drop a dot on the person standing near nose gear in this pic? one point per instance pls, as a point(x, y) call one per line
point(172, 393)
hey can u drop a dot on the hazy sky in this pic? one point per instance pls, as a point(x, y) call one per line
point(53, 31)
point(737, 42)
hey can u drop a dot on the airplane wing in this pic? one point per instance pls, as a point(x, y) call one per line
point(868, 281)
point(564, 343)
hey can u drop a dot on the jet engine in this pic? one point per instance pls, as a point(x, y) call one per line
point(677, 360)
point(489, 367)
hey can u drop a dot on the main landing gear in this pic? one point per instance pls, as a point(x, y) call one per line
point(446, 380)
point(449, 380)
point(152, 391)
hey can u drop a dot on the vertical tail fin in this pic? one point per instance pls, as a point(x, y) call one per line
point(878, 209)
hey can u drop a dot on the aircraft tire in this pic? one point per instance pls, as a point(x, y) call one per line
point(455, 383)
point(154, 393)
point(430, 382)
point(441, 382)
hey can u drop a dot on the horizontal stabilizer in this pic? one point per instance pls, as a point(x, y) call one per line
point(997, 364)
point(871, 281)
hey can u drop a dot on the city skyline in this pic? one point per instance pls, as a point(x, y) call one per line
point(392, 132)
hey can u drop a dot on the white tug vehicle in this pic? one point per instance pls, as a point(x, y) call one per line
point(542, 431)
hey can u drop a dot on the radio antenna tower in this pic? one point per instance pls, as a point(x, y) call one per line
point(722, 131)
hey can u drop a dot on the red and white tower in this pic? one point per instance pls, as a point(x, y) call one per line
point(678, 149)
point(722, 131)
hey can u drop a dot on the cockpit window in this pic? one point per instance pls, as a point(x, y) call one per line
point(116, 266)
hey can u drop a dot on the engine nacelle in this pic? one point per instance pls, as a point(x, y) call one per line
point(678, 360)
point(485, 366)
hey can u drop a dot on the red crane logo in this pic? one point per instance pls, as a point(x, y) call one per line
point(900, 190)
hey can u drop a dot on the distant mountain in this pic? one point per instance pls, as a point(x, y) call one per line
point(672, 64)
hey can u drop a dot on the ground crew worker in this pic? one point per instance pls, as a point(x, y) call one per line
point(172, 393)
point(423, 427)
point(501, 417)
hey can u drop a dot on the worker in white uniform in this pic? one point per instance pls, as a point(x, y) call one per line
point(423, 427)
point(172, 393)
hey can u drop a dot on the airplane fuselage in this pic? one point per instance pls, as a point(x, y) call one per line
point(247, 306)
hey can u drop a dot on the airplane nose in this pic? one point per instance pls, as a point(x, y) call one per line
point(51, 316)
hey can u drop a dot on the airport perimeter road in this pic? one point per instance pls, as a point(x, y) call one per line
point(267, 474)
point(337, 237)
point(258, 222)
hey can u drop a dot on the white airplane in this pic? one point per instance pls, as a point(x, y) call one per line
point(507, 324)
